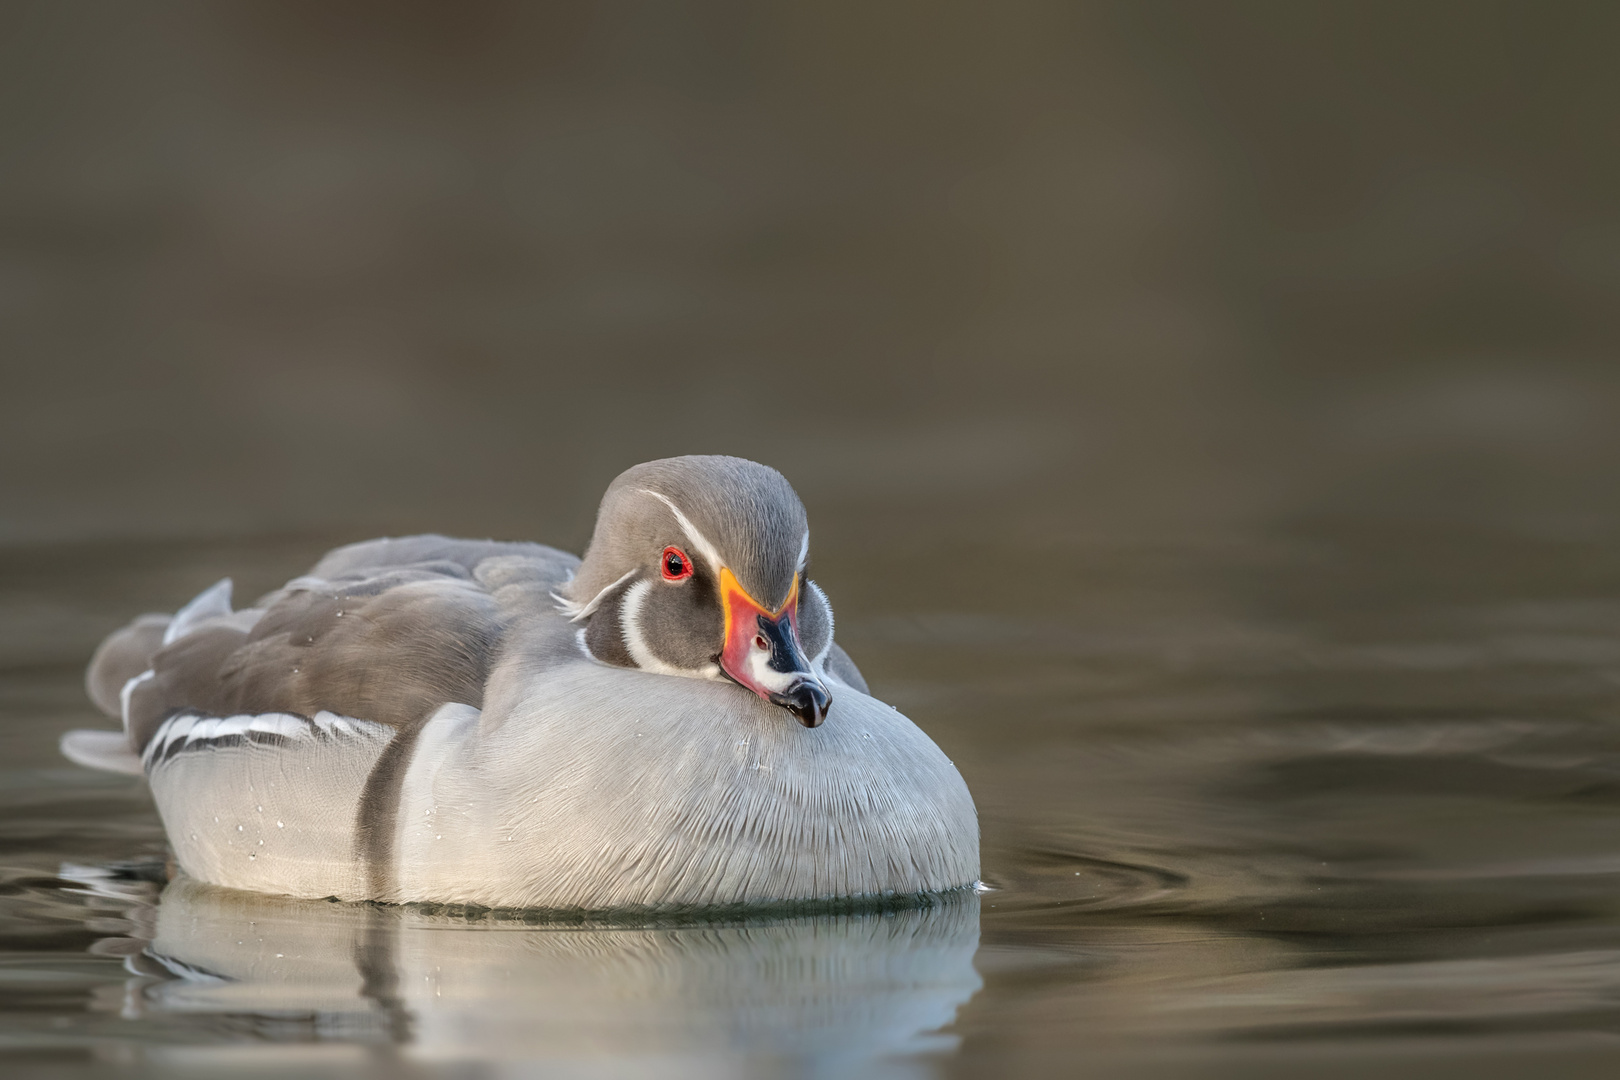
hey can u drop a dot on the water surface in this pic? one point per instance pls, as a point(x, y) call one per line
point(1341, 800)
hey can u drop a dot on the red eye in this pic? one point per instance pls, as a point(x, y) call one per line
point(677, 567)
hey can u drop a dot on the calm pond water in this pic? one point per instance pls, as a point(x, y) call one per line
point(1342, 802)
point(1208, 418)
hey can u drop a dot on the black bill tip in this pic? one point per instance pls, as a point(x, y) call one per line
point(807, 700)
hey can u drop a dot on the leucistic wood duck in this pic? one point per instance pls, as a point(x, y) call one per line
point(667, 722)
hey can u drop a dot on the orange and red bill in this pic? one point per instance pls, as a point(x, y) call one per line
point(762, 652)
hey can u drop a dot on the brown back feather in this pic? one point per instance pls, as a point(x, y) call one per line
point(390, 649)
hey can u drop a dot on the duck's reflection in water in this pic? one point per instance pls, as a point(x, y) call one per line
point(829, 991)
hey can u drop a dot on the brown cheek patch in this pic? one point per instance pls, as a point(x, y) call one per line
point(682, 623)
point(604, 633)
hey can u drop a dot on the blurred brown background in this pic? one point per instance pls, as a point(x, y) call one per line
point(1207, 413)
point(1126, 269)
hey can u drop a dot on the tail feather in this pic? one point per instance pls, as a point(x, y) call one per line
point(125, 654)
point(105, 750)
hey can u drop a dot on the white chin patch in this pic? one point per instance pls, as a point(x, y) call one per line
point(762, 674)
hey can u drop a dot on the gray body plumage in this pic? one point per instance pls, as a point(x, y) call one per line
point(429, 719)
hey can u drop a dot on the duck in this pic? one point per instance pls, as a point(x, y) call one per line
point(666, 722)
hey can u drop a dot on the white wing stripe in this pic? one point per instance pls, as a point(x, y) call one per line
point(185, 731)
point(204, 729)
point(277, 724)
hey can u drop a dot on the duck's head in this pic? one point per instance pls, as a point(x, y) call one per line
point(697, 568)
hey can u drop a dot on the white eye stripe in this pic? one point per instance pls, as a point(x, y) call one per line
point(693, 536)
